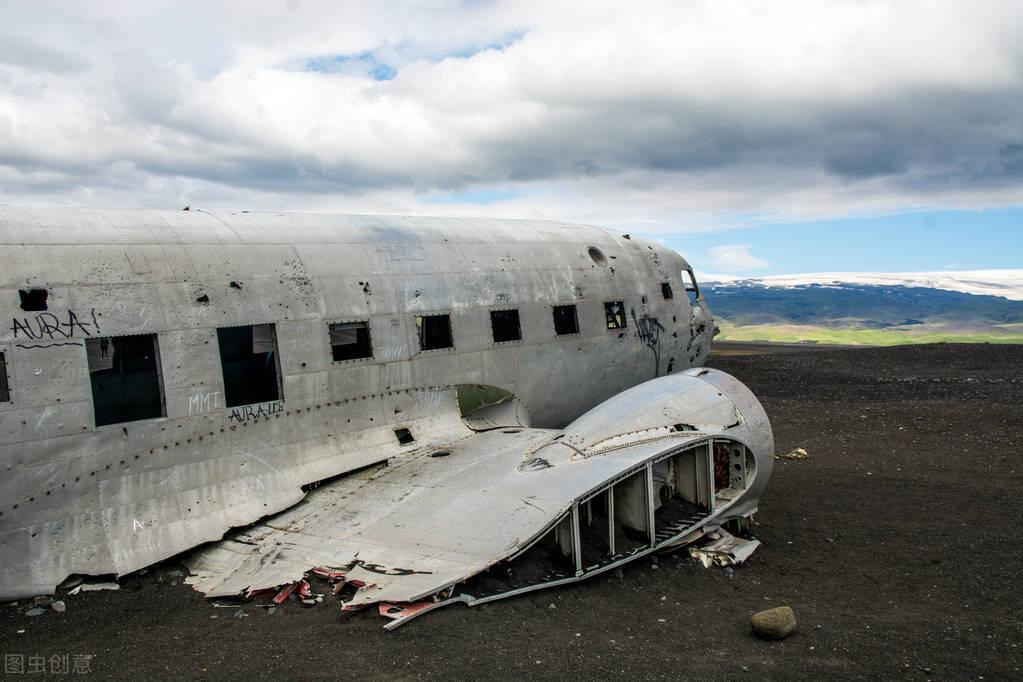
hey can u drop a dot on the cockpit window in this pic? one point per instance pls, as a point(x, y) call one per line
point(689, 281)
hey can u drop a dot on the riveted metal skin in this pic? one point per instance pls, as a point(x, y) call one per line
point(77, 498)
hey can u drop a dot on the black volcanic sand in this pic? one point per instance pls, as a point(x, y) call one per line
point(897, 543)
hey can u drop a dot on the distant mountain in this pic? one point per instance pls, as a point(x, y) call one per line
point(871, 307)
point(1006, 283)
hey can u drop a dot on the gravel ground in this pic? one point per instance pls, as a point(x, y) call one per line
point(897, 543)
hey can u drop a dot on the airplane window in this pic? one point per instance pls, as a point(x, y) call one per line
point(350, 341)
point(248, 356)
point(434, 332)
point(404, 436)
point(125, 376)
point(692, 288)
point(505, 325)
point(666, 291)
point(33, 299)
point(566, 320)
point(5, 392)
point(614, 314)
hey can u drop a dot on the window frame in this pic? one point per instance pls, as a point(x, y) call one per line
point(277, 364)
point(518, 325)
point(369, 341)
point(608, 318)
point(666, 291)
point(695, 288)
point(420, 329)
point(575, 319)
point(160, 384)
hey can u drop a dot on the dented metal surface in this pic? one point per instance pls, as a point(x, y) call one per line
point(424, 523)
point(83, 498)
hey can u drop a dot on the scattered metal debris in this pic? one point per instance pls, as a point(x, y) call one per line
point(94, 587)
point(724, 549)
point(798, 453)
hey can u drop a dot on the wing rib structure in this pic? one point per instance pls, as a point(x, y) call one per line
point(508, 510)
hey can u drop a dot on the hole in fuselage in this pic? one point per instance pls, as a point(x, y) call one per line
point(33, 300)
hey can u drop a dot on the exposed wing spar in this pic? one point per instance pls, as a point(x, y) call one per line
point(545, 506)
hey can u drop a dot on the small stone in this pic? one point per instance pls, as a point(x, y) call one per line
point(776, 623)
point(552, 606)
point(240, 613)
point(273, 610)
point(729, 571)
point(308, 602)
point(59, 606)
point(34, 612)
point(175, 573)
point(42, 600)
point(619, 574)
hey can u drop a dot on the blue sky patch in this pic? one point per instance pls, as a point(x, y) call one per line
point(904, 242)
point(365, 63)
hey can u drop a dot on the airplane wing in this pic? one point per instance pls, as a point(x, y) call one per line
point(511, 509)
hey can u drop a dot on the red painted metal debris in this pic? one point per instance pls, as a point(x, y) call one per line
point(395, 610)
point(283, 594)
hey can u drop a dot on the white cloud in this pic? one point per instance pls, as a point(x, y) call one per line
point(733, 258)
point(654, 116)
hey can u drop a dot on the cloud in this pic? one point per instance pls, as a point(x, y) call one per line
point(732, 258)
point(660, 117)
point(23, 52)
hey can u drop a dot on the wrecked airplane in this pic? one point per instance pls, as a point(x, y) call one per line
point(428, 411)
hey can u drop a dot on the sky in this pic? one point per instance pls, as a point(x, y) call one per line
point(755, 137)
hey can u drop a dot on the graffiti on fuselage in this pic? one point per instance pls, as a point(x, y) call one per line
point(68, 329)
point(649, 329)
point(245, 413)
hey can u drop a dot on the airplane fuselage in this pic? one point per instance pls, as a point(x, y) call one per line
point(169, 375)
